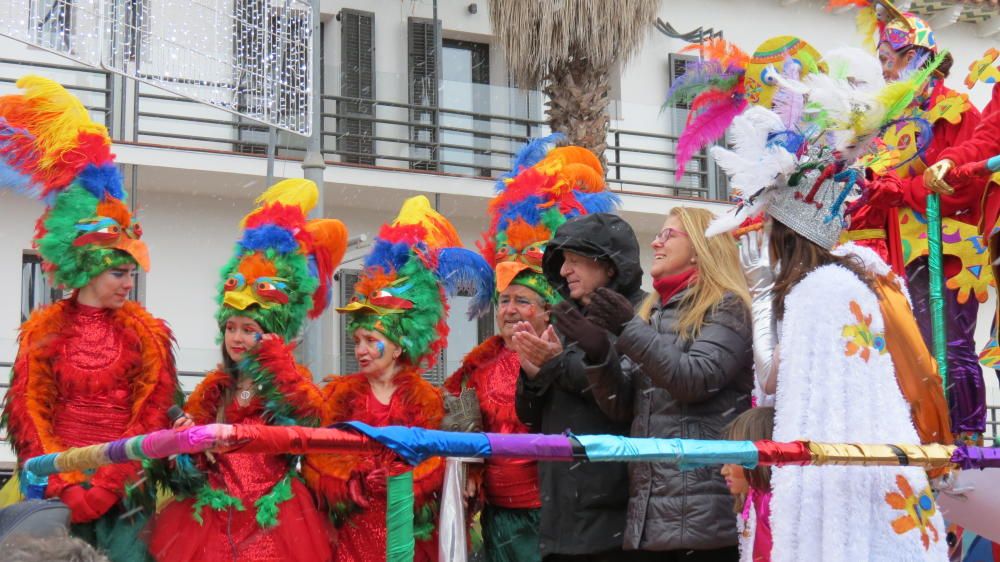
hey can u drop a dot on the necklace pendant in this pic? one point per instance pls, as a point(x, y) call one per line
point(245, 395)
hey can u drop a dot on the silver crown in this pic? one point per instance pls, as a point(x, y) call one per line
point(807, 211)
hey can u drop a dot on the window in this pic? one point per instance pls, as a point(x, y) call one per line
point(36, 290)
point(348, 364)
point(55, 23)
point(422, 65)
point(678, 64)
point(357, 80)
point(465, 88)
point(265, 39)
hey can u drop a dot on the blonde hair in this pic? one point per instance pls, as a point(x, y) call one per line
point(718, 273)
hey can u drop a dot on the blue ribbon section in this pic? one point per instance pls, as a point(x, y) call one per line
point(686, 453)
point(34, 478)
point(415, 444)
point(993, 164)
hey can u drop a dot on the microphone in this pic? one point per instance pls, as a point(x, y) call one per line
point(175, 413)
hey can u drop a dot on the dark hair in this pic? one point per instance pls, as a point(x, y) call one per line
point(798, 257)
point(944, 69)
point(754, 424)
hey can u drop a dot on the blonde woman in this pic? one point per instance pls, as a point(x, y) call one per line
point(691, 340)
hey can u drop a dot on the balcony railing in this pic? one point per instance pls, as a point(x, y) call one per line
point(375, 133)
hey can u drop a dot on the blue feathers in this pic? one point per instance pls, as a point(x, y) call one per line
point(529, 155)
point(103, 180)
point(389, 256)
point(464, 272)
point(527, 209)
point(12, 173)
point(268, 237)
point(599, 202)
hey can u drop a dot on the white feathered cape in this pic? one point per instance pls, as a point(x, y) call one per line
point(836, 383)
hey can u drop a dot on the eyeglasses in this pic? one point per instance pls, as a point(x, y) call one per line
point(667, 233)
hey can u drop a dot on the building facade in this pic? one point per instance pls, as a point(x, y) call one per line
point(399, 119)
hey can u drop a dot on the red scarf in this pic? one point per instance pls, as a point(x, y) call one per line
point(670, 285)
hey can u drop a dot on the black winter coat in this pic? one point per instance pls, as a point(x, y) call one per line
point(583, 504)
point(689, 389)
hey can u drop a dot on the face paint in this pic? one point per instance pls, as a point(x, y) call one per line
point(380, 347)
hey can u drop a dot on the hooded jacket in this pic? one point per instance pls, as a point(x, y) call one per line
point(583, 504)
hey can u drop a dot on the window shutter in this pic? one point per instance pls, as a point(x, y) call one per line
point(357, 68)
point(348, 364)
point(422, 63)
point(678, 64)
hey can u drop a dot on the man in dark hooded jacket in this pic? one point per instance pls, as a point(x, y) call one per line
point(583, 504)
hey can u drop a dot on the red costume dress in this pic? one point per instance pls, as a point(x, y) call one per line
point(354, 486)
point(83, 376)
point(252, 507)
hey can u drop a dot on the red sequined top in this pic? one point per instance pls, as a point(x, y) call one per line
point(491, 369)
point(85, 375)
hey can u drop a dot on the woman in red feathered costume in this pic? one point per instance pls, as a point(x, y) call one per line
point(398, 320)
point(244, 506)
point(94, 367)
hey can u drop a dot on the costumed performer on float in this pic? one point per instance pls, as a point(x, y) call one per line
point(96, 366)
point(833, 378)
point(974, 167)
point(544, 189)
point(243, 507)
point(892, 213)
point(398, 320)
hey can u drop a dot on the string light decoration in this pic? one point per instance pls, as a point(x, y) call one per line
point(249, 57)
point(70, 28)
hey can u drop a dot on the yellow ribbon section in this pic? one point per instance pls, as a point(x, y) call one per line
point(926, 456)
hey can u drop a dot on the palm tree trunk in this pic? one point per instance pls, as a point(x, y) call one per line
point(578, 104)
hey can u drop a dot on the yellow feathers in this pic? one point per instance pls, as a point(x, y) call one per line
point(54, 116)
point(418, 211)
point(867, 24)
point(291, 192)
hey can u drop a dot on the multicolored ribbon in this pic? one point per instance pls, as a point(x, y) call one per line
point(416, 444)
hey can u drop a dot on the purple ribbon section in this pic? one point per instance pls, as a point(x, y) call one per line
point(969, 457)
point(116, 451)
point(541, 447)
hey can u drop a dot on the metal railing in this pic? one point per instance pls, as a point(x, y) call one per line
point(390, 134)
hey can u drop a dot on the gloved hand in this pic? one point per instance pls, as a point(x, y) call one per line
point(589, 337)
point(971, 171)
point(934, 177)
point(609, 310)
point(87, 505)
point(759, 274)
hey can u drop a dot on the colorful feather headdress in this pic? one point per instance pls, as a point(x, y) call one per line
point(726, 79)
point(416, 262)
point(880, 21)
point(283, 263)
point(545, 188)
point(50, 150)
point(803, 172)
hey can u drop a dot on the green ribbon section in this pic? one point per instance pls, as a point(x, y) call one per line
point(934, 260)
point(399, 541)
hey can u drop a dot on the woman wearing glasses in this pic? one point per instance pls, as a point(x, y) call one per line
point(692, 342)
